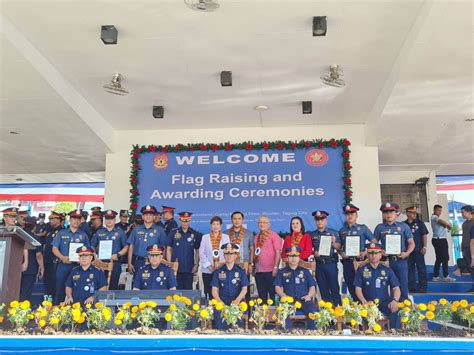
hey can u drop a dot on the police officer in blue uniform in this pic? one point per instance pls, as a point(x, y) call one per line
point(96, 222)
point(298, 283)
point(229, 282)
point(62, 250)
point(417, 256)
point(183, 246)
point(376, 281)
point(110, 234)
point(50, 260)
point(326, 265)
point(35, 262)
point(169, 223)
point(155, 275)
point(353, 229)
point(123, 222)
point(84, 279)
point(157, 219)
point(41, 226)
point(390, 227)
point(143, 236)
point(85, 225)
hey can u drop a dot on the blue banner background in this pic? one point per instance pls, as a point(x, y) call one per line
point(156, 186)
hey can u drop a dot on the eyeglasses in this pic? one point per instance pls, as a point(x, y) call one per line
point(228, 252)
point(293, 255)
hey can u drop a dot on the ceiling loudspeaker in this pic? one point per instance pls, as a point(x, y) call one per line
point(319, 26)
point(307, 107)
point(226, 78)
point(158, 111)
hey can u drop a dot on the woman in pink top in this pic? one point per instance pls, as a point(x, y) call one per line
point(267, 246)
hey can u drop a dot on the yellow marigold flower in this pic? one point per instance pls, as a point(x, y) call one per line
point(259, 301)
point(289, 299)
point(345, 301)
point(151, 304)
point(54, 320)
point(76, 305)
point(41, 323)
point(204, 313)
point(422, 307)
point(88, 305)
point(119, 315)
point(280, 308)
point(443, 301)
point(376, 301)
point(406, 309)
point(187, 301)
point(430, 315)
point(328, 305)
point(471, 309)
point(219, 306)
point(401, 305)
point(82, 319)
point(456, 304)
point(106, 313)
point(213, 302)
point(243, 306)
point(25, 305)
point(128, 305)
point(134, 309)
point(168, 317)
point(76, 313)
point(1, 319)
point(252, 303)
point(404, 319)
point(312, 316)
point(14, 304)
point(269, 301)
point(298, 305)
point(99, 305)
point(133, 315)
point(463, 303)
point(176, 297)
point(353, 322)
point(46, 304)
point(12, 311)
point(363, 313)
point(172, 307)
point(421, 317)
point(339, 312)
point(407, 303)
point(117, 322)
point(192, 313)
point(454, 308)
point(431, 307)
point(283, 299)
point(377, 328)
point(31, 316)
point(317, 316)
point(196, 307)
point(321, 304)
point(169, 298)
point(142, 305)
point(265, 306)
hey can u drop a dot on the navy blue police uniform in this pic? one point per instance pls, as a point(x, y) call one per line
point(50, 260)
point(142, 237)
point(119, 241)
point(297, 283)
point(229, 283)
point(62, 240)
point(326, 266)
point(28, 277)
point(365, 236)
point(154, 278)
point(184, 246)
point(416, 259)
point(170, 224)
point(398, 265)
point(378, 283)
point(123, 226)
point(84, 282)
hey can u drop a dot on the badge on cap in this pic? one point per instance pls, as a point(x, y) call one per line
point(148, 207)
point(318, 214)
point(109, 211)
point(387, 204)
point(78, 211)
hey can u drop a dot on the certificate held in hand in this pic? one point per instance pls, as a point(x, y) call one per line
point(73, 257)
point(105, 249)
point(393, 244)
point(325, 245)
point(352, 246)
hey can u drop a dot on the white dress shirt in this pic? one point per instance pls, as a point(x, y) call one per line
point(206, 258)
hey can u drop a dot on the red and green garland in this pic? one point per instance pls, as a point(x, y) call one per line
point(278, 145)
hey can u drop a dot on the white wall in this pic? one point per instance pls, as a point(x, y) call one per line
point(365, 172)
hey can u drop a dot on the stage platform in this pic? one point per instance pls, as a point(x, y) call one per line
point(233, 344)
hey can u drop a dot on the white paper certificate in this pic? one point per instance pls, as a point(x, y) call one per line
point(352, 245)
point(325, 245)
point(393, 244)
point(72, 251)
point(105, 249)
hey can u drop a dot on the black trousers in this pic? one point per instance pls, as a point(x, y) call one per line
point(26, 288)
point(206, 280)
point(49, 279)
point(185, 280)
point(466, 254)
point(265, 286)
point(442, 256)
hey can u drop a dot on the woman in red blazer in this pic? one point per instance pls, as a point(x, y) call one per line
point(299, 238)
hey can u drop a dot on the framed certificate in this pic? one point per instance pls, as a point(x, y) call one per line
point(72, 251)
point(105, 249)
point(393, 244)
point(325, 245)
point(352, 245)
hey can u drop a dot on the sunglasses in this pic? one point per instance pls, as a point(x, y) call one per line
point(293, 255)
point(373, 252)
point(229, 252)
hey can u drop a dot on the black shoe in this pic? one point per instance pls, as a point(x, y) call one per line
point(470, 291)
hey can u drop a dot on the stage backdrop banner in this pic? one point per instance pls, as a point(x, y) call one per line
point(279, 180)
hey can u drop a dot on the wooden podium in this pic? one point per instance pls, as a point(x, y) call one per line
point(12, 242)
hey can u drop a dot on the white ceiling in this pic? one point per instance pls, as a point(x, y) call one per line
point(408, 65)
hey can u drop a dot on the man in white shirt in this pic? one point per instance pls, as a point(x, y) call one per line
point(440, 244)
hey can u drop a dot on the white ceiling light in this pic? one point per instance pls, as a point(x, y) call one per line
point(333, 78)
point(202, 5)
point(115, 85)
